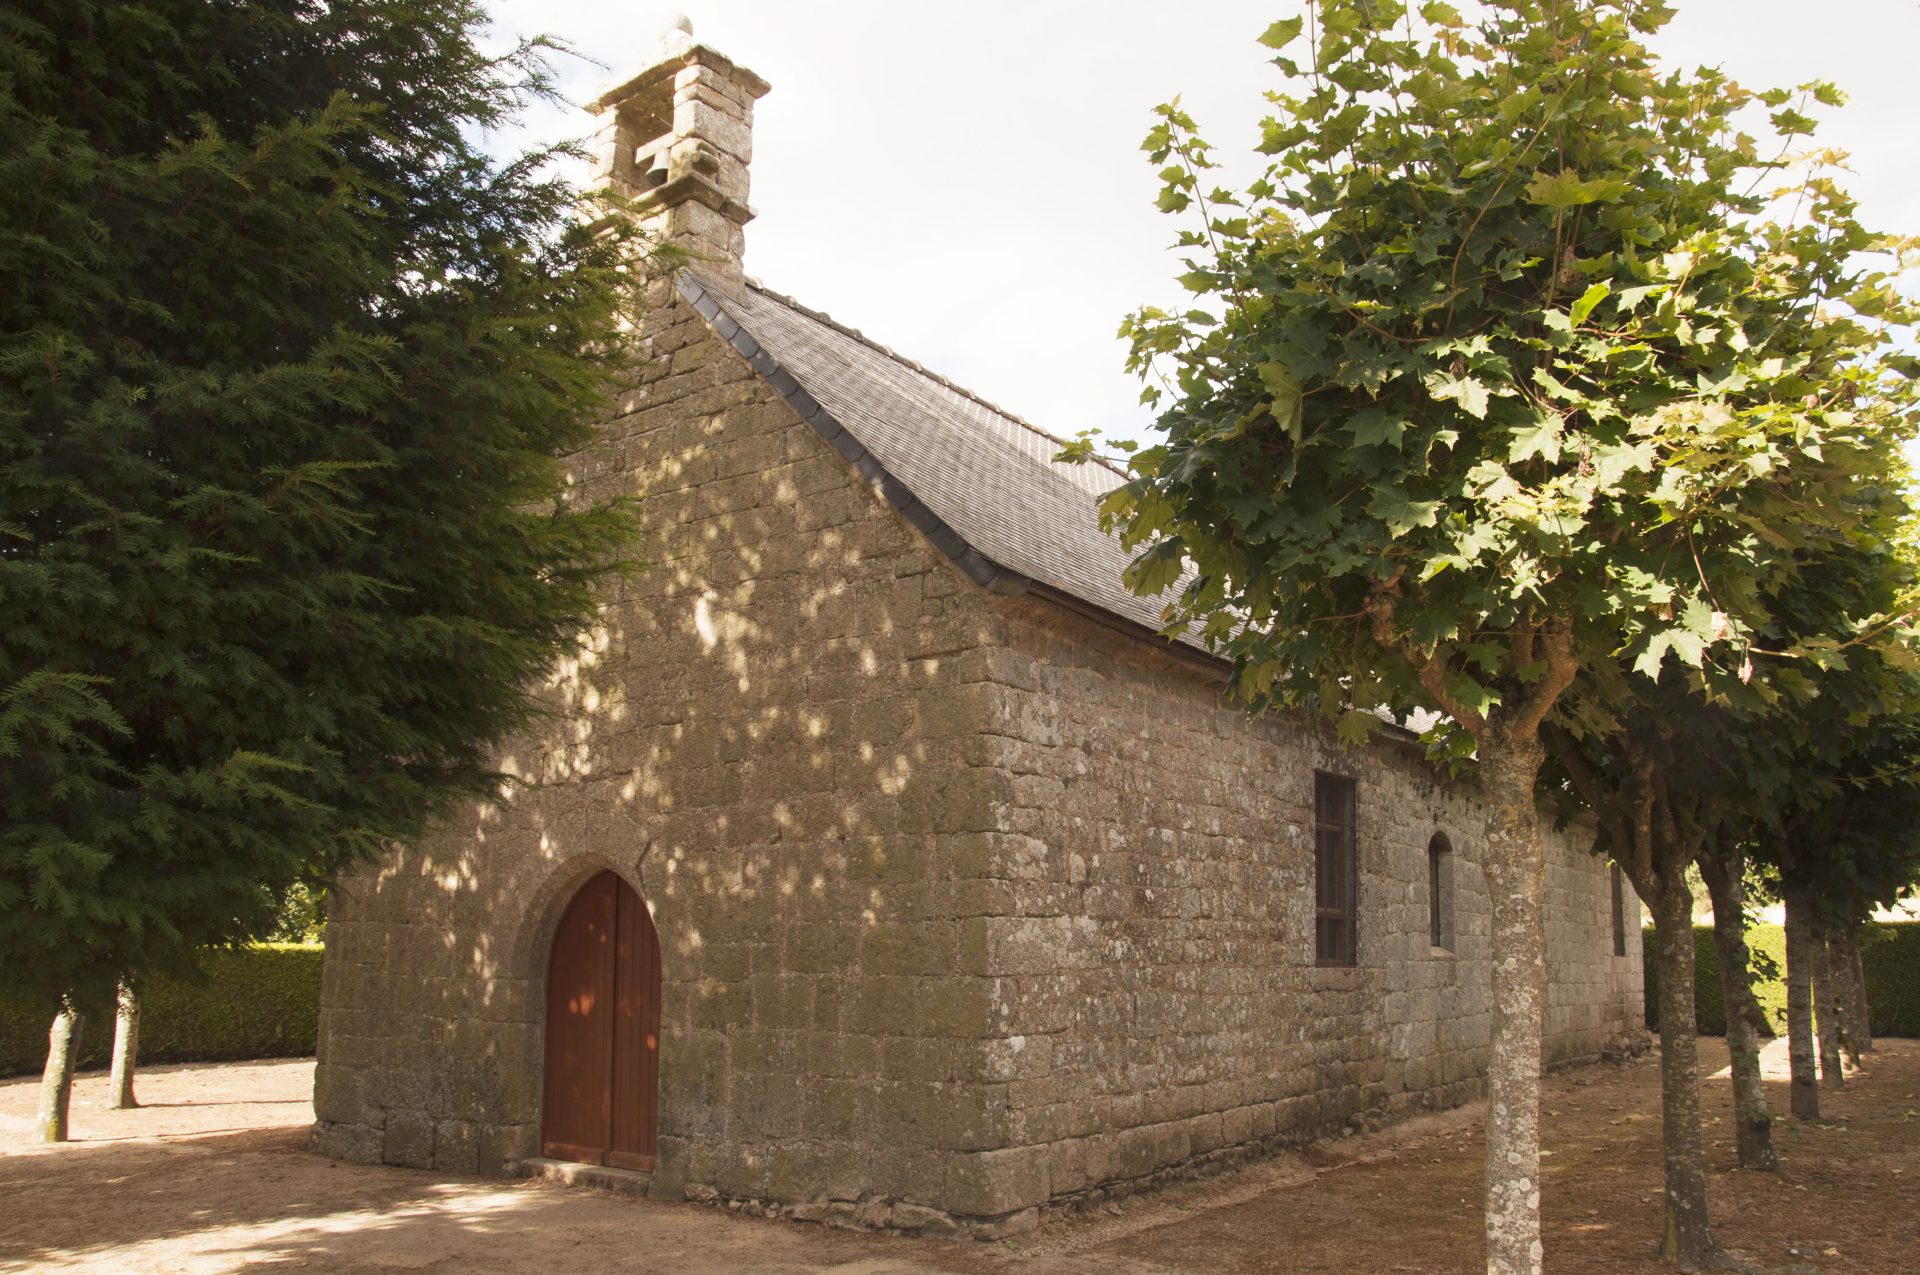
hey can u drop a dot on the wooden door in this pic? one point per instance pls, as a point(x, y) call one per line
point(603, 1030)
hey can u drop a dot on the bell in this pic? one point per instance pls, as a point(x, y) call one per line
point(656, 169)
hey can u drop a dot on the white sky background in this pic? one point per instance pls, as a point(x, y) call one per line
point(964, 182)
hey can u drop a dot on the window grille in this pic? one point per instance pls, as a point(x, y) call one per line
point(1619, 913)
point(1336, 870)
point(1440, 892)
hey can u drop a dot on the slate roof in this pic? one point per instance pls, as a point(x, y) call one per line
point(979, 482)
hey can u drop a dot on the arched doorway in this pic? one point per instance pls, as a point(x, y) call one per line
point(602, 1078)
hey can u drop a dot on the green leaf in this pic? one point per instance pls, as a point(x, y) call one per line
point(1282, 33)
point(1656, 650)
point(1288, 404)
point(1630, 298)
point(1614, 461)
point(1689, 646)
point(1391, 506)
point(1355, 727)
point(1539, 437)
point(1567, 190)
point(1377, 427)
point(1158, 569)
point(1468, 392)
point(1590, 298)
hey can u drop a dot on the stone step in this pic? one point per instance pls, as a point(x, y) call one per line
point(596, 1176)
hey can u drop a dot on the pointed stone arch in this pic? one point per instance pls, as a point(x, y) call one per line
point(600, 1043)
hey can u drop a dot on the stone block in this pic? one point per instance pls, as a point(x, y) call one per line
point(456, 1148)
point(408, 1140)
point(1068, 1169)
point(719, 1006)
point(740, 1172)
point(915, 1219)
point(765, 1108)
point(908, 947)
point(356, 1143)
point(498, 1149)
point(1018, 1223)
point(337, 1094)
point(804, 1170)
point(992, 1183)
point(693, 1084)
point(838, 1110)
point(697, 116)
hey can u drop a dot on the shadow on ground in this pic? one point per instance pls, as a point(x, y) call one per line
point(214, 1176)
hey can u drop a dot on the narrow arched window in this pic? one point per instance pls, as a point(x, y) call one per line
point(1440, 892)
point(1619, 913)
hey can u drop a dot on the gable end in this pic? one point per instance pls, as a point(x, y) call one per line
point(978, 567)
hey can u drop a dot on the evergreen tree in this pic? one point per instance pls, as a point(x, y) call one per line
point(287, 365)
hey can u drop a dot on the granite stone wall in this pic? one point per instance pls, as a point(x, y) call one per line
point(969, 906)
point(773, 737)
point(1152, 953)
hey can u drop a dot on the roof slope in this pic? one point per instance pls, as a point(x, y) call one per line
point(981, 483)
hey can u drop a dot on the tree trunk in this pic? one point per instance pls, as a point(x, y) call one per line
point(1516, 880)
point(126, 1046)
point(1804, 1093)
point(1686, 1239)
point(1753, 1122)
point(1852, 976)
point(1826, 1015)
point(56, 1082)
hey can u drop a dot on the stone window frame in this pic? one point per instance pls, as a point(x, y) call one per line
point(1336, 869)
point(1442, 937)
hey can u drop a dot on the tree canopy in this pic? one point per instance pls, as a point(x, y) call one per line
point(1501, 340)
point(286, 363)
point(1515, 381)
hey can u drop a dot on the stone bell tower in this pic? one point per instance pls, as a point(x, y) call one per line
point(676, 139)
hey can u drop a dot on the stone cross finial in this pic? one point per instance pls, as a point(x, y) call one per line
point(677, 138)
point(676, 35)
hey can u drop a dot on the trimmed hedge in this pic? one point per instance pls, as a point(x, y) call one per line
point(254, 1002)
point(1890, 957)
point(1889, 953)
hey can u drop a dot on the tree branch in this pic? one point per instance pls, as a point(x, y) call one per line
point(1562, 667)
point(1588, 784)
point(1428, 668)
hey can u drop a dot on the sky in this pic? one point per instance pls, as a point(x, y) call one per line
point(964, 183)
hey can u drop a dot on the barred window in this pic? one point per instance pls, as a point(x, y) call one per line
point(1336, 870)
point(1440, 892)
point(1619, 913)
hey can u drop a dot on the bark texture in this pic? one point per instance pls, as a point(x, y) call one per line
point(1746, 1021)
point(126, 1047)
point(1853, 981)
point(56, 1082)
point(1516, 878)
point(1804, 1090)
point(1686, 1239)
point(1826, 1014)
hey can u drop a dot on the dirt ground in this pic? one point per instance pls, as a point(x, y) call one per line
point(212, 1175)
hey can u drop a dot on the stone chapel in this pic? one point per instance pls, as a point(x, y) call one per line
point(884, 864)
